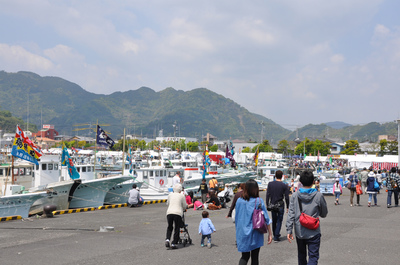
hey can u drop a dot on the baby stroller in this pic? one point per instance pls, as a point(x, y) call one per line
point(184, 233)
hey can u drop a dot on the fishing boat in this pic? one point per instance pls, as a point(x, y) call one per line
point(19, 204)
point(91, 193)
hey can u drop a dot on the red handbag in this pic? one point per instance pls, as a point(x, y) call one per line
point(359, 189)
point(306, 220)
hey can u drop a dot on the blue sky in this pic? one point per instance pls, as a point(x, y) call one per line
point(295, 62)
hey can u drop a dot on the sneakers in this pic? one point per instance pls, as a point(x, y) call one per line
point(351, 205)
point(167, 244)
point(389, 206)
point(202, 245)
point(369, 204)
point(209, 245)
point(173, 246)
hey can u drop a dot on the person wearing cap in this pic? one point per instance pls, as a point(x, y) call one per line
point(337, 190)
point(353, 179)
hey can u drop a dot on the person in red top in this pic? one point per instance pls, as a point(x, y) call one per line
point(189, 199)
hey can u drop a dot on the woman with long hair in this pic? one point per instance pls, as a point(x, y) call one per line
point(248, 239)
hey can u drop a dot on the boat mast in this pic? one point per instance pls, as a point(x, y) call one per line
point(398, 143)
point(95, 149)
point(123, 154)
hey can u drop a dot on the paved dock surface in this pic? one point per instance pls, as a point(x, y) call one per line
point(350, 235)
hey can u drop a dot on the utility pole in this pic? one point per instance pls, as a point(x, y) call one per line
point(262, 131)
point(398, 142)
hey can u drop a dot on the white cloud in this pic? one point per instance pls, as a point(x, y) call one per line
point(337, 58)
point(266, 56)
point(17, 58)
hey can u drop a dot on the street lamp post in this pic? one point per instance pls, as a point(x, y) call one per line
point(398, 143)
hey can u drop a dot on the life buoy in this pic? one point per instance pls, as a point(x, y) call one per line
point(161, 182)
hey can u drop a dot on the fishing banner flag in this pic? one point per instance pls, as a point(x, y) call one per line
point(103, 138)
point(129, 159)
point(206, 162)
point(229, 155)
point(24, 148)
point(256, 156)
point(67, 161)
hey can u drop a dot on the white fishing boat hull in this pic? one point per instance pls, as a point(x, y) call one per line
point(119, 193)
point(58, 195)
point(18, 204)
point(153, 195)
point(91, 193)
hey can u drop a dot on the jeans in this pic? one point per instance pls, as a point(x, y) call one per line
point(337, 195)
point(277, 218)
point(313, 245)
point(208, 239)
point(370, 197)
point(177, 220)
point(396, 197)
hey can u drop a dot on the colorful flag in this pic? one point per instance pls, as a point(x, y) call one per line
point(256, 156)
point(24, 148)
point(67, 161)
point(229, 155)
point(206, 162)
point(130, 160)
point(103, 138)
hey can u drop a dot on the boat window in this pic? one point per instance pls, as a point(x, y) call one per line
point(50, 166)
point(55, 166)
point(28, 171)
point(145, 173)
point(1, 172)
point(44, 166)
point(164, 173)
point(151, 174)
point(171, 174)
point(37, 167)
point(83, 169)
point(78, 169)
point(89, 169)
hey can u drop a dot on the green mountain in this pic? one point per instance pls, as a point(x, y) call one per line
point(52, 100)
point(370, 132)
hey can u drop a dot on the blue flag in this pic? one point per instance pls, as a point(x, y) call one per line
point(103, 138)
point(67, 161)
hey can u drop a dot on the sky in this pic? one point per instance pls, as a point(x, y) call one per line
point(295, 62)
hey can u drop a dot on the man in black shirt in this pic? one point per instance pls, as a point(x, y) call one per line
point(277, 191)
point(204, 190)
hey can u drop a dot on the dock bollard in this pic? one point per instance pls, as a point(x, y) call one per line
point(48, 210)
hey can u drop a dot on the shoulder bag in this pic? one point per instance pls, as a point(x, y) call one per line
point(258, 217)
point(306, 220)
point(376, 185)
point(275, 207)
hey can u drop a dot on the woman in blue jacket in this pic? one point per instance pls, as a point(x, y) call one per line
point(249, 240)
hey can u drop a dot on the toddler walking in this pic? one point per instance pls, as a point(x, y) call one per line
point(206, 228)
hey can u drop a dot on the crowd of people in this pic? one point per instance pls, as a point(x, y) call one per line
point(303, 208)
point(370, 181)
point(249, 239)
